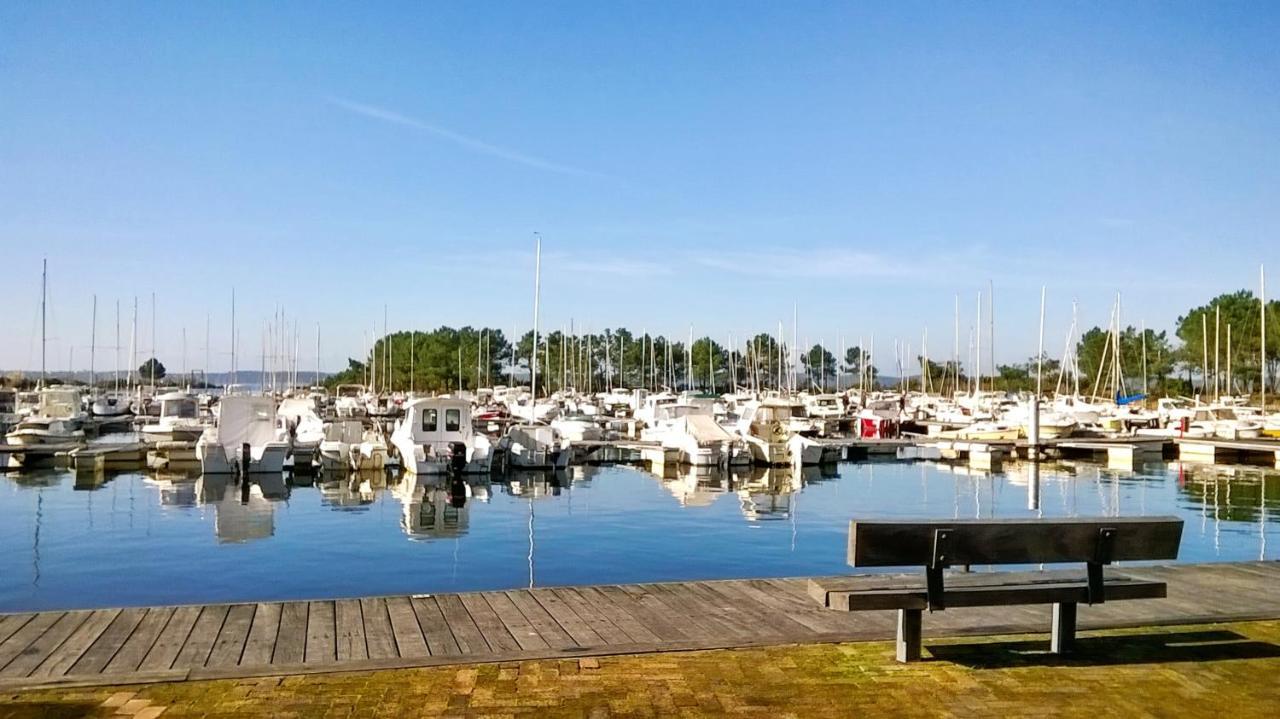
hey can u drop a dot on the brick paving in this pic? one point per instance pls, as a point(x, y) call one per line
point(1221, 670)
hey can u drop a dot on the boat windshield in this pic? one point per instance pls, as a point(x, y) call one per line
point(179, 408)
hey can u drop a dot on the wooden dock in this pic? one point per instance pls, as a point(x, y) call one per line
point(157, 644)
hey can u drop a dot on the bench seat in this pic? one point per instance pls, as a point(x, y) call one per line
point(871, 592)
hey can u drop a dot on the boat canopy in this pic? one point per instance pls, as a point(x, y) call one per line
point(246, 419)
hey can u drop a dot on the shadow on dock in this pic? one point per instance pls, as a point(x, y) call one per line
point(1124, 649)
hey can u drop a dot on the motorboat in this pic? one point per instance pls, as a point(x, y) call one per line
point(349, 401)
point(823, 406)
point(533, 446)
point(245, 439)
point(763, 428)
point(436, 436)
point(351, 444)
point(577, 428)
point(56, 418)
point(300, 425)
point(179, 419)
point(110, 404)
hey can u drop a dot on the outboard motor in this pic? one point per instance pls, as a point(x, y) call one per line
point(457, 457)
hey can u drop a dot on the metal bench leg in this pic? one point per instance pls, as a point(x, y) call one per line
point(909, 635)
point(1064, 628)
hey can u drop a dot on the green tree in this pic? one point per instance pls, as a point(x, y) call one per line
point(1203, 331)
point(710, 364)
point(819, 366)
point(150, 370)
point(855, 358)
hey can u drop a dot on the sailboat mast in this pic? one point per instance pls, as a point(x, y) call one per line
point(233, 336)
point(978, 354)
point(93, 347)
point(44, 294)
point(1262, 297)
point(117, 347)
point(991, 318)
point(537, 290)
point(153, 340)
point(1040, 349)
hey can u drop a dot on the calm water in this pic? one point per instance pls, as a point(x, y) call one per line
point(134, 539)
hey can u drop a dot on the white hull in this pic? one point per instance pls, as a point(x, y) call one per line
point(268, 459)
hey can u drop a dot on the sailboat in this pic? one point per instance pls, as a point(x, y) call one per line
point(57, 414)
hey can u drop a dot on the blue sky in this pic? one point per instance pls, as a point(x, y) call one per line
point(708, 163)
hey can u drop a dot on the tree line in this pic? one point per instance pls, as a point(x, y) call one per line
point(1133, 360)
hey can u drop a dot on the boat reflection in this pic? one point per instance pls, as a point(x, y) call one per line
point(243, 511)
point(438, 506)
point(352, 491)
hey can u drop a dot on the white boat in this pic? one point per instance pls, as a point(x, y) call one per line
point(763, 428)
point(435, 436)
point(577, 428)
point(823, 406)
point(179, 419)
point(110, 404)
point(533, 446)
point(349, 445)
point(350, 401)
point(56, 418)
point(301, 427)
point(245, 439)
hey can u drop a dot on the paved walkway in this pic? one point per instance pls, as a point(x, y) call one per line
point(1226, 670)
point(157, 644)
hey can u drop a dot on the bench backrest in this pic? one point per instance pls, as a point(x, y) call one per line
point(1100, 540)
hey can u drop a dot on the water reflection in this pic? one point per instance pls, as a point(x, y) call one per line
point(242, 511)
point(586, 524)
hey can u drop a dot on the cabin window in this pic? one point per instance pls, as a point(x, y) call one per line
point(452, 420)
point(430, 419)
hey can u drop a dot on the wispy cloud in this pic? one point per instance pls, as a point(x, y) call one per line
point(471, 143)
point(807, 263)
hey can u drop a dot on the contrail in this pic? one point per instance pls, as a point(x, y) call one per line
point(379, 113)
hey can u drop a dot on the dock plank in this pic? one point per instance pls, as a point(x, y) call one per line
point(291, 640)
point(140, 641)
point(165, 651)
point(546, 625)
point(261, 643)
point(321, 645)
point(649, 611)
point(44, 645)
point(229, 645)
point(11, 623)
point(515, 622)
point(465, 632)
point(620, 615)
point(195, 652)
point(61, 660)
point(605, 631)
point(28, 633)
point(440, 640)
point(495, 633)
point(350, 631)
point(404, 626)
point(96, 658)
point(676, 612)
point(380, 640)
point(579, 631)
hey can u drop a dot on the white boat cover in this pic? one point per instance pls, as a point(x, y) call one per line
point(245, 418)
point(703, 428)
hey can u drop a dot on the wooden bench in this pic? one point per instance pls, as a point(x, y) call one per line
point(939, 545)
